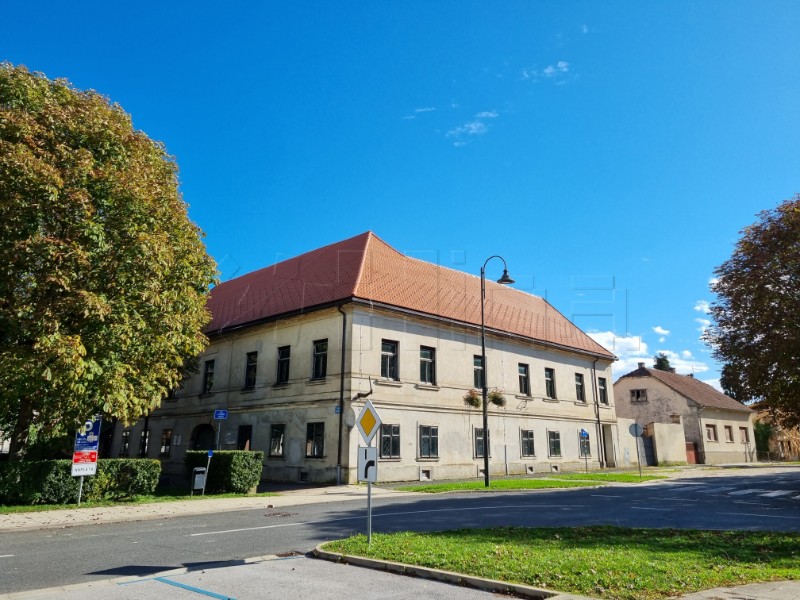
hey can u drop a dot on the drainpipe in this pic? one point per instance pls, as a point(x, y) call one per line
point(341, 396)
point(601, 447)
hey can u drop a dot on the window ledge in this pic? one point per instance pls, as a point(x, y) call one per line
point(281, 385)
point(206, 395)
point(247, 390)
point(523, 397)
point(427, 460)
point(276, 457)
point(320, 381)
point(391, 459)
point(581, 403)
point(427, 386)
point(388, 382)
point(605, 406)
point(550, 400)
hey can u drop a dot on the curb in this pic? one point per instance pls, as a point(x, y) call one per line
point(489, 585)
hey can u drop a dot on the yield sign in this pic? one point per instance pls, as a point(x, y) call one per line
point(368, 422)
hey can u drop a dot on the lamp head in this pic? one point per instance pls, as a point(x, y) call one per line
point(505, 279)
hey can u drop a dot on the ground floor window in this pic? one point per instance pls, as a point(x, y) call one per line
point(166, 443)
point(711, 433)
point(144, 443)
point(315, 440)
point(744, 435)
point(390, 441)
point(276, 435)
point(554, 443)
point(527, 442)
point(125, 443)
point(428, 441)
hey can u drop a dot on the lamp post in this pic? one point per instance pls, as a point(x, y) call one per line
point(505, 280)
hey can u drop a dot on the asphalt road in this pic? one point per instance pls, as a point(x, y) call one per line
point(38, 559)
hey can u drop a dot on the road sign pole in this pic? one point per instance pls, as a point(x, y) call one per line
point(208, 467)
point(638, 460)
point(369, 512)
point(80, 490)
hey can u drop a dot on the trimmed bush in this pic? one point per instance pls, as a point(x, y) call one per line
point(237, 471)
point(51, 481)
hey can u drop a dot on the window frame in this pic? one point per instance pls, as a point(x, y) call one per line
point(580, 388)
point(165, 449)
point(319, 363)
point(390, 432)
point(638, 395)
point(744, 435)
point(427, 365)
point(477, 371)
point(554, 443)
point(208, 376)
point(273, 428)
point(144, 443)
point(525, 440)
point(728, 429)
point(284, 364)
point(315, 439)
point(125, 443)
point(433, 441)
point(524, 374)
point(390, 360)
point(250, 370)
point(478, 438)
point(711, 433)
point(550, 383)
point(602, 386)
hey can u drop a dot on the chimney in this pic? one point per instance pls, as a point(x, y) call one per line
point(672, 369)
point(641, 365)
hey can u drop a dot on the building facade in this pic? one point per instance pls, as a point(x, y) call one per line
point(297, 349)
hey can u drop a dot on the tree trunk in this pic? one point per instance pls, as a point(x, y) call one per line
point(19, 436)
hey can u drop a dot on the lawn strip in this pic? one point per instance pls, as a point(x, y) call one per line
point(497, 484)
point(610, 477)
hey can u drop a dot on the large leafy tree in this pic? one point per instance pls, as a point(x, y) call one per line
point(757, 311)
point(661, 362)
point(103, 277)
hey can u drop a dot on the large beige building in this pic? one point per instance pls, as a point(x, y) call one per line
point(297, 348)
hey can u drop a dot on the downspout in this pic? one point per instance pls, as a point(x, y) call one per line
point(341, 396)
point(601, 447)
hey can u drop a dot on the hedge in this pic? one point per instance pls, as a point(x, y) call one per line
point(237, 471)
point(51, 481)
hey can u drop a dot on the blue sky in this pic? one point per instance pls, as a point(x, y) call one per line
point(611, 152)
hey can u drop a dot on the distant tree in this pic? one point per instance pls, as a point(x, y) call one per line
point(757, 311)
point(661, 362)
point(103, 277)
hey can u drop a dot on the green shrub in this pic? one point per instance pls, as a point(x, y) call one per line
point(51, 481)
point(237, 471)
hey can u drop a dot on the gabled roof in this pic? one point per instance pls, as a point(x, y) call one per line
point(366, 268)
point(691, 388)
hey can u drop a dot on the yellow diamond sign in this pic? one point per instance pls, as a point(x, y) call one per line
point(368, 422)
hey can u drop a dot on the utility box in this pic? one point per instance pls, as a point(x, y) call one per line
point(198, 479)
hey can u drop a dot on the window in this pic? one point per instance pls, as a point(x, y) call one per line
point(244, 437)
point(390, 441)
point(550, 382)
point(144, 442)
point(427, 365)
point(315, 440)
point(166, 443)
point(477, 372)
point(524, 379)
point(251, 364)
point(320, 369)
point(603, 387)
point(728, 433)
point(208, 377)
point(553, 443)
point(711, 433)
point(283, 365)
point(389, 360)
point(479, 445)
point(527, 442)
point(276, 435)
point(638, 395)
point(125, 443)
point(744, 435)
point(580, 392)
point(428, 441)
point(584, 445)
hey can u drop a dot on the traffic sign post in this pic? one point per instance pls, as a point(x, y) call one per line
point(369, 423)
point(220, 415)
point(585, 436)
point(636, 431)
point(84, 457)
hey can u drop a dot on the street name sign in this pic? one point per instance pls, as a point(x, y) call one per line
point(220, 415)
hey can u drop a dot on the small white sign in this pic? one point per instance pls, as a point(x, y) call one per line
point(367, 464)
point(80, 469)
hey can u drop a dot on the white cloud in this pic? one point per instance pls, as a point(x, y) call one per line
point(425, 109)
point(584, 29)
point(713, 383)
point(470, 128)
point(704, 325)
point(632, 349)
point(662, 339)
point(660, 330)
point(703, 306)
point(686, 354)
point(555, 71)
point(683, 363)
point(487, 114)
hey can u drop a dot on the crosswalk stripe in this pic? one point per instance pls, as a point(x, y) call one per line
point(749, 491)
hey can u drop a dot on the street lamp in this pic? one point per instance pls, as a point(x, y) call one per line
point(505, 280)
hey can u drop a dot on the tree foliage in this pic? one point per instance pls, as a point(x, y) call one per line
point(757, 311)
point(661, 362)
point(103, 277)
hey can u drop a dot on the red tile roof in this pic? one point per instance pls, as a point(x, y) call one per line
point(689, 387)
point(366, 268)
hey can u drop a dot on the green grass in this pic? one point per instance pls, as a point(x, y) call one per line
point(602, 562)
point(613, 477)
point(496, 484)
point(163, 495)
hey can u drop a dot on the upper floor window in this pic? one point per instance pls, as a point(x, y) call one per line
point(251, 365)
point(603, 387)
point(427, 365)
point(208, 377)
point(580, 392)
point(524, 379)
point(283, 364)
point(477, 371)
point(638, 395)
point(550, 382)
point(320, 366)
point(389, 360)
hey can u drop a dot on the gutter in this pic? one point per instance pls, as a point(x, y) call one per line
point(341, 395)
point(601, 447)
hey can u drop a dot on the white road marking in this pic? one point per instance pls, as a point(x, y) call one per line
point(393, 514)
point(6, 555)
point(776, 493)
point(604, 496)
point(743, 492)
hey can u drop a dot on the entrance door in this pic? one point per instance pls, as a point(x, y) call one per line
point(245, 435)
point(691, 453)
